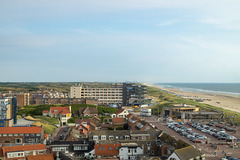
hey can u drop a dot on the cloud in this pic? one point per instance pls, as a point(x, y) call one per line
point(168, 23)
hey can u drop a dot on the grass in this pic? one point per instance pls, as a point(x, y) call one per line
point(165, 99)
point(47, 123)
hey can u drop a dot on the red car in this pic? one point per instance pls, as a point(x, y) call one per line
point(196, 141)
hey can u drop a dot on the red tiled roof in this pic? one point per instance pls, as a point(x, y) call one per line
point(129, 115)
point(118, 120)
point(60, 110)
point(19, 130)
point(41, 157)
point(24, 148)
point(45, 111)
point(120, 111)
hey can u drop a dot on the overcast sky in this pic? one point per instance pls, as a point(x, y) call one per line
point(120, 40)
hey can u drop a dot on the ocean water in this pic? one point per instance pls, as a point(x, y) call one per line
point(213, 88)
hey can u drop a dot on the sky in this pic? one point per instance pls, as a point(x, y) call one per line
point(127, 40)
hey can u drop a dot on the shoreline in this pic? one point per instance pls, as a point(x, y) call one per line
point(229, 102)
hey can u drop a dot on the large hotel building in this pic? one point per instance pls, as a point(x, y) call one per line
point(105, 96)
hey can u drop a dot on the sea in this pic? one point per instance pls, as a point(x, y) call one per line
point(212, 88)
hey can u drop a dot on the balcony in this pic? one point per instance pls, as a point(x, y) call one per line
point(4, 108)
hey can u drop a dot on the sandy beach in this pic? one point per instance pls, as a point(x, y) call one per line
point(219, 100)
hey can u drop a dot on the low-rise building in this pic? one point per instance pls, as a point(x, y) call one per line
point(87, 111)
point(130, 150)
point(41, 157)
point(22, 151)
point(104, 149)
point(62, 113)
point(120, 113)
point(19, 135)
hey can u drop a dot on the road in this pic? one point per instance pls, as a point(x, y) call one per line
point(23, 122)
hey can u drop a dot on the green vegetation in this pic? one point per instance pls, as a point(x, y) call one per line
point(165, 99)
point(56, 86)
point(19, 116)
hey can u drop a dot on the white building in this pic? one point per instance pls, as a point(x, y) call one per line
point(130, 151)
point(146, 112)
point(105, 96)
point(120, 113)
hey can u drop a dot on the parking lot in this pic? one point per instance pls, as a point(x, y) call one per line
point(214, 147)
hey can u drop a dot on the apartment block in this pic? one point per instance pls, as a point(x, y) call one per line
point(105, 96)
point(6, 112)
point(42, 101)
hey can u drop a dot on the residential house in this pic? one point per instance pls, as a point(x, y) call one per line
point(41, 157)
point(21, 152)
point(132, 122)
point(130, 150)
point(106, 149)
point(183, 154)
point(88, 111)
point(120, 113)
point(19, 135)
point(93, 123)
point(62, 113)
point(118, 122)
point(78, 149)
point(146, 139)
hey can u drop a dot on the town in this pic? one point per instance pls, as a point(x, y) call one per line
point(110, 121)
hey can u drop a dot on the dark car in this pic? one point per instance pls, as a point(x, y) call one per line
point(221, 138)
point(61, 137)
point(66, 129)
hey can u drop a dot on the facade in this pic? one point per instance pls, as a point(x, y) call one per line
point(23, 99)
point(41, 101)
point(145, 112)
point(20, 135)
point(133, 91)
point(106, 149)
point(105, 96)
point(79, 149)
point(130, 151)
point(7, 112)
point(120, 113)
point(22, 151)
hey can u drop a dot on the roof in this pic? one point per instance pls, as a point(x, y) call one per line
point(78, 121)
point(20, 130)
point(24, 148)
point(120, 111)
point(60, 110)
point(129, 115)
point(45, 111)
point(41, 156)
point(118, 120)
point(92, 110)
point(130, 144)
point(183, 153)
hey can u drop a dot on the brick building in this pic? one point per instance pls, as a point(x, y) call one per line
point(107, 148)
point(21, 152)
point(19, 135)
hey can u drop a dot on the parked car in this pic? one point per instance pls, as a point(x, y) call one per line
point(61, 137)
point(66, 129)
point(196, 141)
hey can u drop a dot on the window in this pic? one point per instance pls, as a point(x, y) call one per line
point(111, 137)
point(21, 134)
point(127, 137)
point(116, 148)
point(99, 148)
point(110, 148)
point(15, 134)
point(95, 137)
point(10, 135)
point(18, 140)
point(143, 137)
point(38, 134)
point(103, 148)
point(40, 152)
point(0, 135)
point(26, 134)
point(103, 137)
point(28, 153)
point(152, 151)
point(4, 135)
point(116, 137)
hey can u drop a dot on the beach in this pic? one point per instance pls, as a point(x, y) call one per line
point(229, 102)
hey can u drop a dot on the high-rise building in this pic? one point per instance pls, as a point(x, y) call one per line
point(8, 111)
point(105, 96)
point(133, 91)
